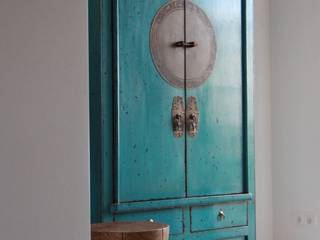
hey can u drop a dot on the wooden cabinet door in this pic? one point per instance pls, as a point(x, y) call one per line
point(150, 160)
point(215, 159)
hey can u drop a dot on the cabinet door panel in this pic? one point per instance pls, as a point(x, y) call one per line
point(215, 154)
point(150, 160)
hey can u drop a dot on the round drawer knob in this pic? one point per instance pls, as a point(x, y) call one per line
point(221, 215)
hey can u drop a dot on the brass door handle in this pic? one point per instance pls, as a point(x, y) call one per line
point(185, 44)
point(178, 117)
point(192, 117)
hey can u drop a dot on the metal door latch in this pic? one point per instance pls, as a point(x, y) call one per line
point(178, 117)
point(192, 117)
point(185, 44)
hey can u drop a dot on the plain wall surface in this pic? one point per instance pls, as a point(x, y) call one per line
point(44, 120)
point(44, 180)
point(295, 38)
point(262, 109)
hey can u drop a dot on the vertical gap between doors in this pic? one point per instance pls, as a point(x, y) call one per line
point(185, 99)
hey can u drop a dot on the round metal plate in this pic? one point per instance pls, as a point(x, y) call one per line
point(173, 23)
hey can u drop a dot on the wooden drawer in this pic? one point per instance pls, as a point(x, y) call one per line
point(172, 217)
point(219, 216)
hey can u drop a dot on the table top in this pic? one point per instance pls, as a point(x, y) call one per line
point(128, 227)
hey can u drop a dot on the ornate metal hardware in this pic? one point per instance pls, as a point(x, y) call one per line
point(221, 215)
point(185, 44)
point(186, 27)
point(192, 117)
point(178, 117)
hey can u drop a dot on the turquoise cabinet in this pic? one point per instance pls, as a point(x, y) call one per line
point(171, 115)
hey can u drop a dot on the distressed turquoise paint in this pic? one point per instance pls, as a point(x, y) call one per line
point(227, 233)
point(174, 203)
point(95, 112)
point(101, 95)
point(207, 218)
point(150, 160)
point(215, 155)
point(102, 123)
point(172, 217)
point(107, 114)
point(248, 73)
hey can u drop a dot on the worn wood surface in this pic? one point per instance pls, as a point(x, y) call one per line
point(173, 217)
point(176, 203)
point(101, 109)
point(185, 172)
point(130, 231)
point(215, 155)
point(207, 217)
point(150, 160)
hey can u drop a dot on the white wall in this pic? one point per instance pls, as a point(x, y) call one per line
point(263, 121)
point(44, 192)
point(295, 38)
